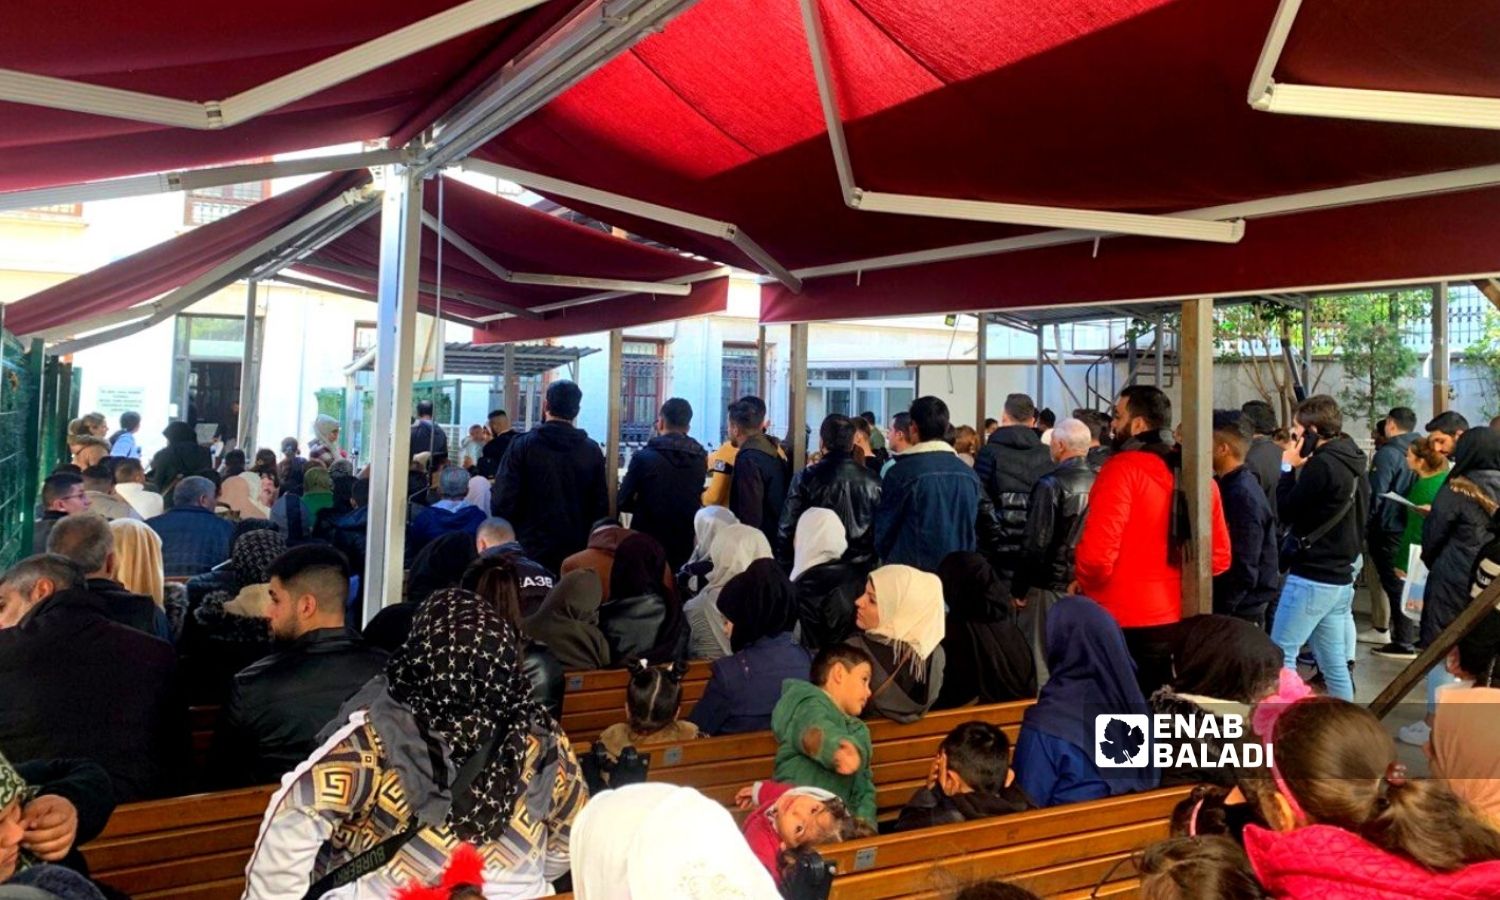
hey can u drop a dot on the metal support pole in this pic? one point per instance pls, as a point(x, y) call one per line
point(1197, 358)
point(395, 343)
point(1440, 353)
point(762, 356)
point(797, 419)
point(615, 392)
point(249, 378)
point(1307, 345)
point(1041, 368)
point(510, 388)
point(981, 376)
point(1161, 352)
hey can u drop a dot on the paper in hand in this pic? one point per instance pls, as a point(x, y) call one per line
point(1397, 498)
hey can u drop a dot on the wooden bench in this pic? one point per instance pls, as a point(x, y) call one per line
point(185, 848)
point(1052, 852)
point(720, 766)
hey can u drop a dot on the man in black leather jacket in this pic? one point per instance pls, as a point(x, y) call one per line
point(278, 705)
point(838, 483)
point(1008, 466)
point(663, 488)
point(1058, 504)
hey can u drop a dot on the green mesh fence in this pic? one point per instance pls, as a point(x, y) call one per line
point(20, 377)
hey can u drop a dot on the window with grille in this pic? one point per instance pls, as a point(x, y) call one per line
point(643, 378)
point(740, 377)
point(210, 204)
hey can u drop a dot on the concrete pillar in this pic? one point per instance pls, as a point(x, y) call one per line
point(612, 427)
point(1441, 379)
point(395, 342)
point(1196, 354)
point(510, 388)
point(981, 378)
point(797, 417)
point(249, 380)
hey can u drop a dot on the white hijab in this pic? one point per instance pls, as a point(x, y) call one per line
point(707, 524)
point(733, 550)
point(911, 612)
point(821, 538)
point(662, 842)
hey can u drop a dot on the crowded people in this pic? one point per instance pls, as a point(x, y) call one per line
point(663, 486)
point(835, 482)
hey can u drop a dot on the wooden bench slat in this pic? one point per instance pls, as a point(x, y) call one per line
point(107, 856)
point(183, 812)
point(180, 873)
point(1072, 880)
point(223, 889)
point(1000, 862)
point(614, 701)
point(616, 679)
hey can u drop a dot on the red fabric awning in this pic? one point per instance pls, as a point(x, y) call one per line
point(522, 239)
point(195, 52)
point(1418, 239)
point(1130, 105)
point(169, 265)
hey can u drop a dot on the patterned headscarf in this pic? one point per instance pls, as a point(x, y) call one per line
point(253, 554)
point(460, 672)
point(13, 787)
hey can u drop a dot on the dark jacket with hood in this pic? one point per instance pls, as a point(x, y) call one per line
point(494, 452)
point(1264, 460)
point(1054, 523)
point(840, 484)
point(1389, 472)
point(536, 581)
point(758, 491)
point(663, 490)
point(75, 684)
point(1453, 535)
point(135, 610)
point(181, 458)
point(551, 488)
point(1009, 465)
point(1319, 493)
point(1253, 578)
point(931, 807)
point(278, 705)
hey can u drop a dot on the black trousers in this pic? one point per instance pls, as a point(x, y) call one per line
point(1151, 648)
point(1384, 545)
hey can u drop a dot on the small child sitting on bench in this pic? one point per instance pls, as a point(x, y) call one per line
point(653, 700)
point(820, 740)
point(970, 779)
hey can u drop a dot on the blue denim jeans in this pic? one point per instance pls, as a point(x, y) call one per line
point(1319, 615)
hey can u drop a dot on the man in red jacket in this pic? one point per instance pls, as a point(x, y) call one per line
point(1129, 559)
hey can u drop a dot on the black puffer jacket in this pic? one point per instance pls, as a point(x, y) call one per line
point(825, 602)
point(1053, 526)
point(551, 488)
point(1008, 466)
point(278, 705)
point(840, 484)
point(663, 490)
point(1453, 535)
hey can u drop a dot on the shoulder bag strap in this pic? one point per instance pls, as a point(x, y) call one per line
point(379, 855)
point(1317, 533)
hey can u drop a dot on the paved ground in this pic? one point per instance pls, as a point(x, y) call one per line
point(1372, 674)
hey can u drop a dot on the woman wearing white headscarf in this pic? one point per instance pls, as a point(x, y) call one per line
point(479, 493)
point(707, 524)
point(662, 842)
point(825, 585)
point(733, 550)
point(901, 624)
point(324, 447)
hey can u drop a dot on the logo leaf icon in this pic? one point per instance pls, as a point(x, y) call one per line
point(1122, 741)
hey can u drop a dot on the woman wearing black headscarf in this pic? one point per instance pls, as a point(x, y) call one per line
point(453, 698)
point(1458, 527)
point(989, 658)
point(225, 630)
point(438, 565)
point(1221, 666)
point(643, 618)
point(761, 609)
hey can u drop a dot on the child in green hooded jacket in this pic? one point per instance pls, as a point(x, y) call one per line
point(821, 741)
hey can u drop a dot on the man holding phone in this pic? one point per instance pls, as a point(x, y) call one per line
point(1323, 498)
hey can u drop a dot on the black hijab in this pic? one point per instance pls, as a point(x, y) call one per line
point(640, 569)
point(1477, 449)
point(1224, 658)
point(760, 603)
point(988, 656)
point(440, 564)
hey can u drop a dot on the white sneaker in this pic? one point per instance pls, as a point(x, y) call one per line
point(1374, 636)
point(1416, 734)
